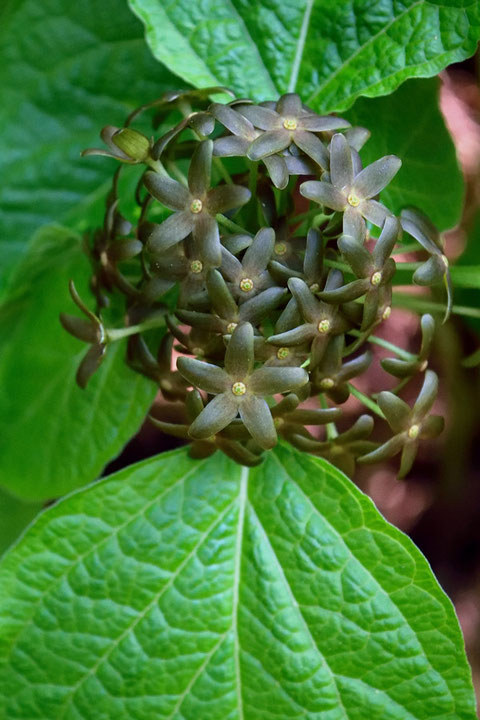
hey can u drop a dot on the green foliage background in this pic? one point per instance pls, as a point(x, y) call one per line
point(283, 594)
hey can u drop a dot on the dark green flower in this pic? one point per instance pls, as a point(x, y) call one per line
point(349, 192)
point(92, 331)
point(409, 424)
point(250, 276)
point(237, 144)
point(373, 270)
point(436, 269)
point(239, 389)
point(289, 124)
point(321, 320)
point(343, 450)
point(331, 376)
point(312, 263)
point(402, 368)
point(228, 443)
point(195, 206)
point(228, 314)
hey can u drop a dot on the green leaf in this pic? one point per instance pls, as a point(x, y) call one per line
point(329, 52)
point(15, 515)
point(53, 435)
point(202, 591)
point(429, 178)
point(66, 69)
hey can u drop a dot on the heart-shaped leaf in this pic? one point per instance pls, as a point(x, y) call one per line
point(201, 590)
point(53, 435)
point(329, 52)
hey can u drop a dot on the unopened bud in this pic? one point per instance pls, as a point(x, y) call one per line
point(135, 145)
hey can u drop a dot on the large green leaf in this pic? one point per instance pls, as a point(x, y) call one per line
point(330, 52)
point(66, 69)
point(429, 177)
point(53, 435)
point(15, 515)
point(196, 590)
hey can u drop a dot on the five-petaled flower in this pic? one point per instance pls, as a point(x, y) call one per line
point(195, 206)
point(239, 389)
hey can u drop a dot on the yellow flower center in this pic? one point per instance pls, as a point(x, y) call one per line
point(280, 248)
point(324, 326)
point(327, 383)
point(196, 206)
point(196, 266)
point(386, 313)
point(283, 353)
point(376, 278)
point(353, 200)
point(290, 124)
point(231, 327)
point(246, 284)
point(239, 388)
point(413, 432)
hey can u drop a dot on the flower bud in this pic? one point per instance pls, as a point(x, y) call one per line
point(135, 145)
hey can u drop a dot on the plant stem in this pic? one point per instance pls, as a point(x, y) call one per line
point(404, 354)
point(157, 166)
point(115, 334)
point(417, 304)
point(368, 402)
point(230, 225)
point(331, 428)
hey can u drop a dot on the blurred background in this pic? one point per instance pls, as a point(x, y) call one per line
point(438, 505)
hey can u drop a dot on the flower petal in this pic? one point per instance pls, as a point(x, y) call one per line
point(269, 143)
point(215, 416)
point(296, 336)
point(396, 411)
point(90, 364)
point(409, 454)
point(374, 178)
point(312, 146)
point(357, 256)
point(346, 293)
point(354, 225)
point(262, 117)
point(200, 168)
point(313, 260)
point(431, 272)
point(341, 165)
point(239, 356)
point(420, 227)
point(171, 231)
point(432, 427)
point(324, 194)
point(273, 380)
point(374, 212)
point(426, 397)
point(205, 233)
point(386, 451)
point(204, 375)
point(258, 420)
point(278, 170)
point(357, 137)
point(230, 146)
point(322, 123)
point(308, 304)
point(386, 242)
point(227, 197)
point(258, 255)
point(289, 105)
point(261, 305)
point(233, 120)
point(167, 191)
point(221, 297)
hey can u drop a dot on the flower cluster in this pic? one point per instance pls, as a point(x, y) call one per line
point(254, 269)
